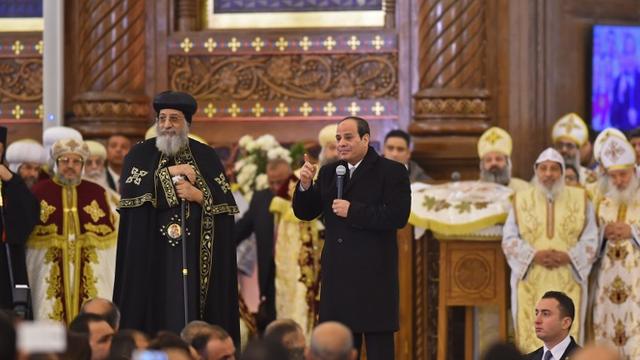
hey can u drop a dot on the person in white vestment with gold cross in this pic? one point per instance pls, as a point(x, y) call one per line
point(569, 135)
point(597, 189)
point(550, 241)
point(617, 292)
point(494, 150)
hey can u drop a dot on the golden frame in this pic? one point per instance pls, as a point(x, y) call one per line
point(288, 20)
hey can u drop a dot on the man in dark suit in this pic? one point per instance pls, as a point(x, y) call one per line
point(554, 317)
point(359, 281)
point(259, 220)
point(397, 146)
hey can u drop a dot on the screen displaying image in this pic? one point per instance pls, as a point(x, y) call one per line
point(615, 92)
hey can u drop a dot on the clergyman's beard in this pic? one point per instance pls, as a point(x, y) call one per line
point(623, 196)
point(67, 181)
point(170, 144)
point(573, 160)
point(550, 193)
point(30, 181)
point(496, 174)
point(97, 176)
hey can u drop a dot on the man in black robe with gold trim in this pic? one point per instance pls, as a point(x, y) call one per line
point(148, 286)
point(19, 215)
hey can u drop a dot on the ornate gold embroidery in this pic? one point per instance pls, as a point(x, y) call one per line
point(46, 229)
point(136, 176)
point(571, 226)
point(616, 252)
point(88, 287)
point(45, 211)
point(137, 201)
point(54, 283)
point(206, 226)
point(94, 210)
point(167, 186)
point(620, 338)
point(222, 181)
point(618, 292)
point(98, 229)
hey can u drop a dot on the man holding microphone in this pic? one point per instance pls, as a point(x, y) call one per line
point(364, 199)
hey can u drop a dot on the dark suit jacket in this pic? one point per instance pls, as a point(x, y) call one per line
point(259, 220)
point(110, 181)
point(537, 355)
point(359, 280)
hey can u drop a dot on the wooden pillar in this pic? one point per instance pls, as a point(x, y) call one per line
point(186, 15)
point(451, 108)
point(109, 73)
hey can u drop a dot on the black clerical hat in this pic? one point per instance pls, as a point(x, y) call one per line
point(176, 100)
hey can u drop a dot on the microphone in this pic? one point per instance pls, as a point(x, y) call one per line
point(340, 172)
point(455, 176)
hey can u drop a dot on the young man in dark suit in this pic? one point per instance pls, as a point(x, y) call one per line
point(359, 281)
point(554, 317)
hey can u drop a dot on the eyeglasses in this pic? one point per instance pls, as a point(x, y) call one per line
point(173, 119)
point(67, 161)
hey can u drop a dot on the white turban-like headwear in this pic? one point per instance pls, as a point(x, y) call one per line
point(25, 151)
point(550, 154)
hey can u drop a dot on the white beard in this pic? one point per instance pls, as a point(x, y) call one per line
point(623, 196)
point(550, 193)
point(171, 144)
point(98, 177)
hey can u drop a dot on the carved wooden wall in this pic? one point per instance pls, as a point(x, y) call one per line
point(105, 71)
point(21, 107)
point(286, 77)
point(460, 80)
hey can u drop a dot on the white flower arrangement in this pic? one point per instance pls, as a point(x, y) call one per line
point(250, 168)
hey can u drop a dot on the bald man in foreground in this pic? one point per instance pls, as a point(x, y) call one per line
point(331, 341)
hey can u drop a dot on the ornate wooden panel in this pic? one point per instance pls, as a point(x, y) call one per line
point(318, 76)
point(21, 84)
point(108, 79)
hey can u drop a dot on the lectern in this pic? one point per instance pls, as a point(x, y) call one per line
point(472, 273)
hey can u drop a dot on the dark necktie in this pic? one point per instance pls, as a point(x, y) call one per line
point(547, 355)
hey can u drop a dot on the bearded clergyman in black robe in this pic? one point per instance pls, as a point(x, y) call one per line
point(158, 174)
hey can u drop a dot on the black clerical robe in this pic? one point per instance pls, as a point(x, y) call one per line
point(20, 214)
point(148, 285)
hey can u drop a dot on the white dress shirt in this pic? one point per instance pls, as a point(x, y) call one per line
point(559, 349)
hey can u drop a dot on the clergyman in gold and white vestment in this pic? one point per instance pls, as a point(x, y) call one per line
point(616, 308)
point(550, 241)
point(569, 135)
point(597, 189)
point(494, 151)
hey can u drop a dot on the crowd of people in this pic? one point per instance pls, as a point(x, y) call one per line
point(160, 229)
point(144, 238)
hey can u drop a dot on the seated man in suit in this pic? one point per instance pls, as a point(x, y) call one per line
point(554, 317)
